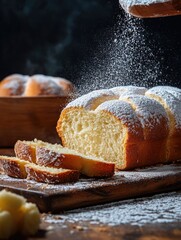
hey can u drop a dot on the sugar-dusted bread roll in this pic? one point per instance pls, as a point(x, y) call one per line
point(56, 156)
point(36, 85)
point(129, 126)
point(152, 8)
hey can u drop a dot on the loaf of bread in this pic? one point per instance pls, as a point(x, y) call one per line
point(36, 85)
point(151, 8)
point(54, 155)
point(129, 126)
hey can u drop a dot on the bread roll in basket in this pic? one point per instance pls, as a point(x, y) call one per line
point(36, 85)
point(30, 107)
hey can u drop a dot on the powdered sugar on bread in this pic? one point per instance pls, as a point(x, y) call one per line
point(131, 129)
point(91, 100)
point(124, 112)
point(122, 90)
point(151, 114)
point(171, 98)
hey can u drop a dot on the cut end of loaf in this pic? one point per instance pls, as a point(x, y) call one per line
point(93, 133)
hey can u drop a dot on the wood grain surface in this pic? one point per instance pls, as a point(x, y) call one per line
point(26, 118)
point(87, 191)
point(89, 231)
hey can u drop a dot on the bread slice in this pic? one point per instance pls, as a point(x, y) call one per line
point(50, 175)
point(13, 166)
point(25, 150)
point(54, 155)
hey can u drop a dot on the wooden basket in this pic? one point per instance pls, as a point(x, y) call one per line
point(26, 118)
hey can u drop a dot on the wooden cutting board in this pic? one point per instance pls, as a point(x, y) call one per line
point(87, 191)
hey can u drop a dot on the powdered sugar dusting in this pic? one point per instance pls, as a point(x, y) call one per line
point(120, 177)
point(172, 98)
point(123, 111)
point(151, 114)
point(12, 85)
point(124, 55)
point(48, 85)
point(162, 208)
point(17, 84)
point(168, 88)
point(87, 100)
point(121, 90)
point(157, 209)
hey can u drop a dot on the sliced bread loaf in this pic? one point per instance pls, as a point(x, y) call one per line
point(54, 155)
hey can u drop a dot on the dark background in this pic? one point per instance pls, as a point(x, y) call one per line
point(93, 43)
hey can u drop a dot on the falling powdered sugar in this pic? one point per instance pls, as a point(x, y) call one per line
point(123, 57)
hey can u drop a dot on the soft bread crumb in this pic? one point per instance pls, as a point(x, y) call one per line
point(17, 216)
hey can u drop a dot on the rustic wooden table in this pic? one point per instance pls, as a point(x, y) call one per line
point(149, 218)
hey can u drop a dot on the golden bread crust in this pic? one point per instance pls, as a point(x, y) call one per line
point(87, 166)
point(17, 168)
point(25, 151)
point(13, 167)
point(41, 174)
